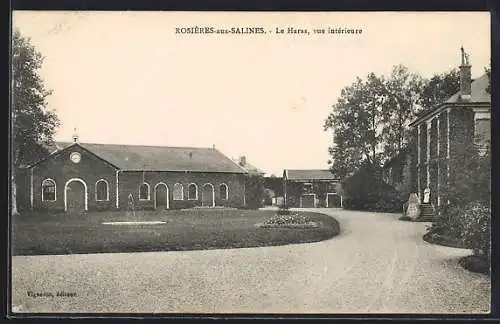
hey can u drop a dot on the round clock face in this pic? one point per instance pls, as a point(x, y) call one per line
point(75, 157)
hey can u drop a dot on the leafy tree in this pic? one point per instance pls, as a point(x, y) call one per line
point(370, 119)
point(403, 92)
point(254, 191)
point(355, 121)
point(33, 125)
point(439, 88)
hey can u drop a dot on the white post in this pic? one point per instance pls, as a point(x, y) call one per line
point(244, 194)
point(117, 191)
point(341, 205)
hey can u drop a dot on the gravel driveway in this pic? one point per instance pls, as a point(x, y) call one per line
point(376, 265)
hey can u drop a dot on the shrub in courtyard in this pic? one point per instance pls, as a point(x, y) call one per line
point(254, 190)
point(467, 218)
point(470, 178)
point(367, 191)
point(447, 224)
point(475, 225)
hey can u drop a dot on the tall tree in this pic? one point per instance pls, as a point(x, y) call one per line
point(370, 119)
point(355, 121)
point(32, 123)
point(403, 91)
point(438, 89)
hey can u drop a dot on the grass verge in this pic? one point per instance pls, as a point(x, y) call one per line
point(37, 234)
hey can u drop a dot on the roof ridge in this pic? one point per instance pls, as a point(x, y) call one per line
point(309, 169)
point(138, 145)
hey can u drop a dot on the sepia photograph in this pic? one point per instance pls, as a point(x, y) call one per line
point(182, 162)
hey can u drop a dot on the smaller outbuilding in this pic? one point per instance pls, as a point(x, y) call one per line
point(312, 188)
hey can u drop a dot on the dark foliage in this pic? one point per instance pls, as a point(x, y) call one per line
point(254, 190)
point(365, 190)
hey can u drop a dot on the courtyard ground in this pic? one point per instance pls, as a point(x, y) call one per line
point(377, 264)
point(196, 229)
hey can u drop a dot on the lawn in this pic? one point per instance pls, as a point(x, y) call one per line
point(45, 233)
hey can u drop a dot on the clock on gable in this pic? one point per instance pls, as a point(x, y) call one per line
point(75, 157)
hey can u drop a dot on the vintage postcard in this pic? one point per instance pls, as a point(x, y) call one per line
point(250, 162)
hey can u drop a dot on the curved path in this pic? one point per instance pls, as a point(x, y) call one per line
point(376, 265)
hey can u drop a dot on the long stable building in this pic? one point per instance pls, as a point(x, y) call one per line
point(82, 177)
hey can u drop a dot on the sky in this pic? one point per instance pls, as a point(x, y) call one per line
point(129, 78)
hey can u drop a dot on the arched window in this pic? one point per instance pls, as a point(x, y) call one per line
point(144, 193)
point(223, 192)
point(193, 192)
point(178, 192)
point(101, 190)
point(48, 190)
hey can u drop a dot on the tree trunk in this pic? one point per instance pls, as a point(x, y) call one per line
point(13, 197)
point(14, 193)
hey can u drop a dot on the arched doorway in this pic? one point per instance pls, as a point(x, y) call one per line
point(75, 196)
point(207, 195)
point(161, 196)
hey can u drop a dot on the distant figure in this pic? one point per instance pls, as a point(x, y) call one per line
point(130, 202)
point(427, 195)
point(130, 206)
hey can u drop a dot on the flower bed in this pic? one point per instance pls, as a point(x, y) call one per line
point(291, 220)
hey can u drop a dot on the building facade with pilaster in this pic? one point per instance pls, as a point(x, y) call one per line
point(463, 118)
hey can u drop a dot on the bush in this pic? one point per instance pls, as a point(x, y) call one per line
point(448, 223)
point(469, 226)
point(254, 191)
point(475, 264)
point(475, 225)
point(365, 190)
point(470, 179)
point(388, 206)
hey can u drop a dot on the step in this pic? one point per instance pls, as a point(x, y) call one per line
point(427, 213)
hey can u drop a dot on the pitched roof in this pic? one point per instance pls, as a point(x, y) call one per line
point(312, 174)
point(161, 158)
point(250, 168)
point(478, 91)
point(479, 95)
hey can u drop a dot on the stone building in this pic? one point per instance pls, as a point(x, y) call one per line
point(439, 133)
point(311, 188)
point(84, 177)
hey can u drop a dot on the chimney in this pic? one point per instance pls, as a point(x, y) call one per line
point(75, 136)
point(465, 77)
point(243, 160)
